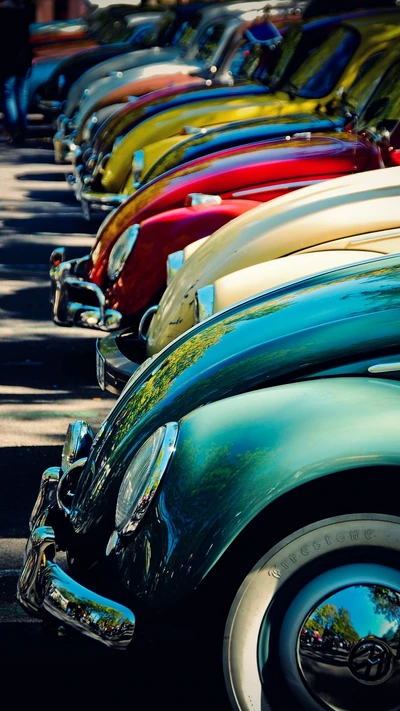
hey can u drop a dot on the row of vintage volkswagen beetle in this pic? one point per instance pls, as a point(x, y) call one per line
point(246, 509)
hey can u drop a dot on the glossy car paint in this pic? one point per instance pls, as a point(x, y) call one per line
point(171, 25)
point(337, 323)
point(125, 119)
point(159, 235)
point(186, 61)
point(246, 453)
point(240, 133)
point(152, 81)
point(79, 63)
point(244, 283)
point(171, 121)
point(374, 34)
point(347, 222)
point(257, 172)
point(240, 36)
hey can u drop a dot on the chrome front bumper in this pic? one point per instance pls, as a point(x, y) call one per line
point(77, 302)
point(45, 589)
point(113, 368)
point(92, 202)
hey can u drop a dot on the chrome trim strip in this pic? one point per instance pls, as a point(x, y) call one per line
point(44, 586)
point(194, 199)
point(272, 188)
point(150, 312)
point(384, 368)
point(375, 236)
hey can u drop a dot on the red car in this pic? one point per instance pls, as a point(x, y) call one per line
point(125, 270)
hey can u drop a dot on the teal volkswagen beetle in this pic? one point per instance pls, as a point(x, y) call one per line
point(265, 511)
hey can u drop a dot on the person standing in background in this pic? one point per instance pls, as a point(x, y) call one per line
point(15, 65)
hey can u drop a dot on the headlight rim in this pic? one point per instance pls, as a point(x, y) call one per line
point(125, 242)
point(156, 471)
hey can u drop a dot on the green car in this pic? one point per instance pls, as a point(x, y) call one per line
point(267, 511)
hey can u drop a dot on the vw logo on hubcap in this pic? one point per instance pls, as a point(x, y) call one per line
point(371, 661)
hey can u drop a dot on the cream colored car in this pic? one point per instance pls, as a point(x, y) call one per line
point(176, 260)
point(360, 212)
point(239, 285)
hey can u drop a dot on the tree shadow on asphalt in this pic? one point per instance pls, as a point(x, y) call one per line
point(21, 469)
point(50, 361)
point(62, 196)
point(43, 177)
point(25, 303)
point(37, 254)
point(65, 223)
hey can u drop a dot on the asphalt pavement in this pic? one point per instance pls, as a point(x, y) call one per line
point(47, 374)
point(47, 379)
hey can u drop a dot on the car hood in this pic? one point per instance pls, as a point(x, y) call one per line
point(239, 133)
point(271, 164)
point(99, 89)
point(286, 334)
point(160, 93)
point(127, 61)
point(331, 221)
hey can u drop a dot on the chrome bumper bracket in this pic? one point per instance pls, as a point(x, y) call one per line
point(69, 309)
point(92, 202)
point(44, 587)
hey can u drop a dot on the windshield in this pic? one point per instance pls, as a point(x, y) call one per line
point(365, 82)
point(108, 28)
point(140, 34)
point(311, 62)
point(209, 40)
point(254, 57)
point(320, 72)
point(383, 109)
point(175, 31)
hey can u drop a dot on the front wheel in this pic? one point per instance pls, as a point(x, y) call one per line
point(316, 624)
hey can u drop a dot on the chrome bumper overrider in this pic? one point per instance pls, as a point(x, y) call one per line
point(45, 589)
point(77, 302)
point(100, 202)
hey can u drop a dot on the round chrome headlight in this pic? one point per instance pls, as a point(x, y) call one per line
point(143, 477)
point(121, 251)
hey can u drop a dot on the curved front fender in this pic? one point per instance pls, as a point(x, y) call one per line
point(237, 456)
point(144, 274)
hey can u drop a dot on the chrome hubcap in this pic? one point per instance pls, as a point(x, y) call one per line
point(349, 645)
point(339, 645)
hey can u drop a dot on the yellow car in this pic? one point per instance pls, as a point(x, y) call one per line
point(318, 59)
point(360, 212)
